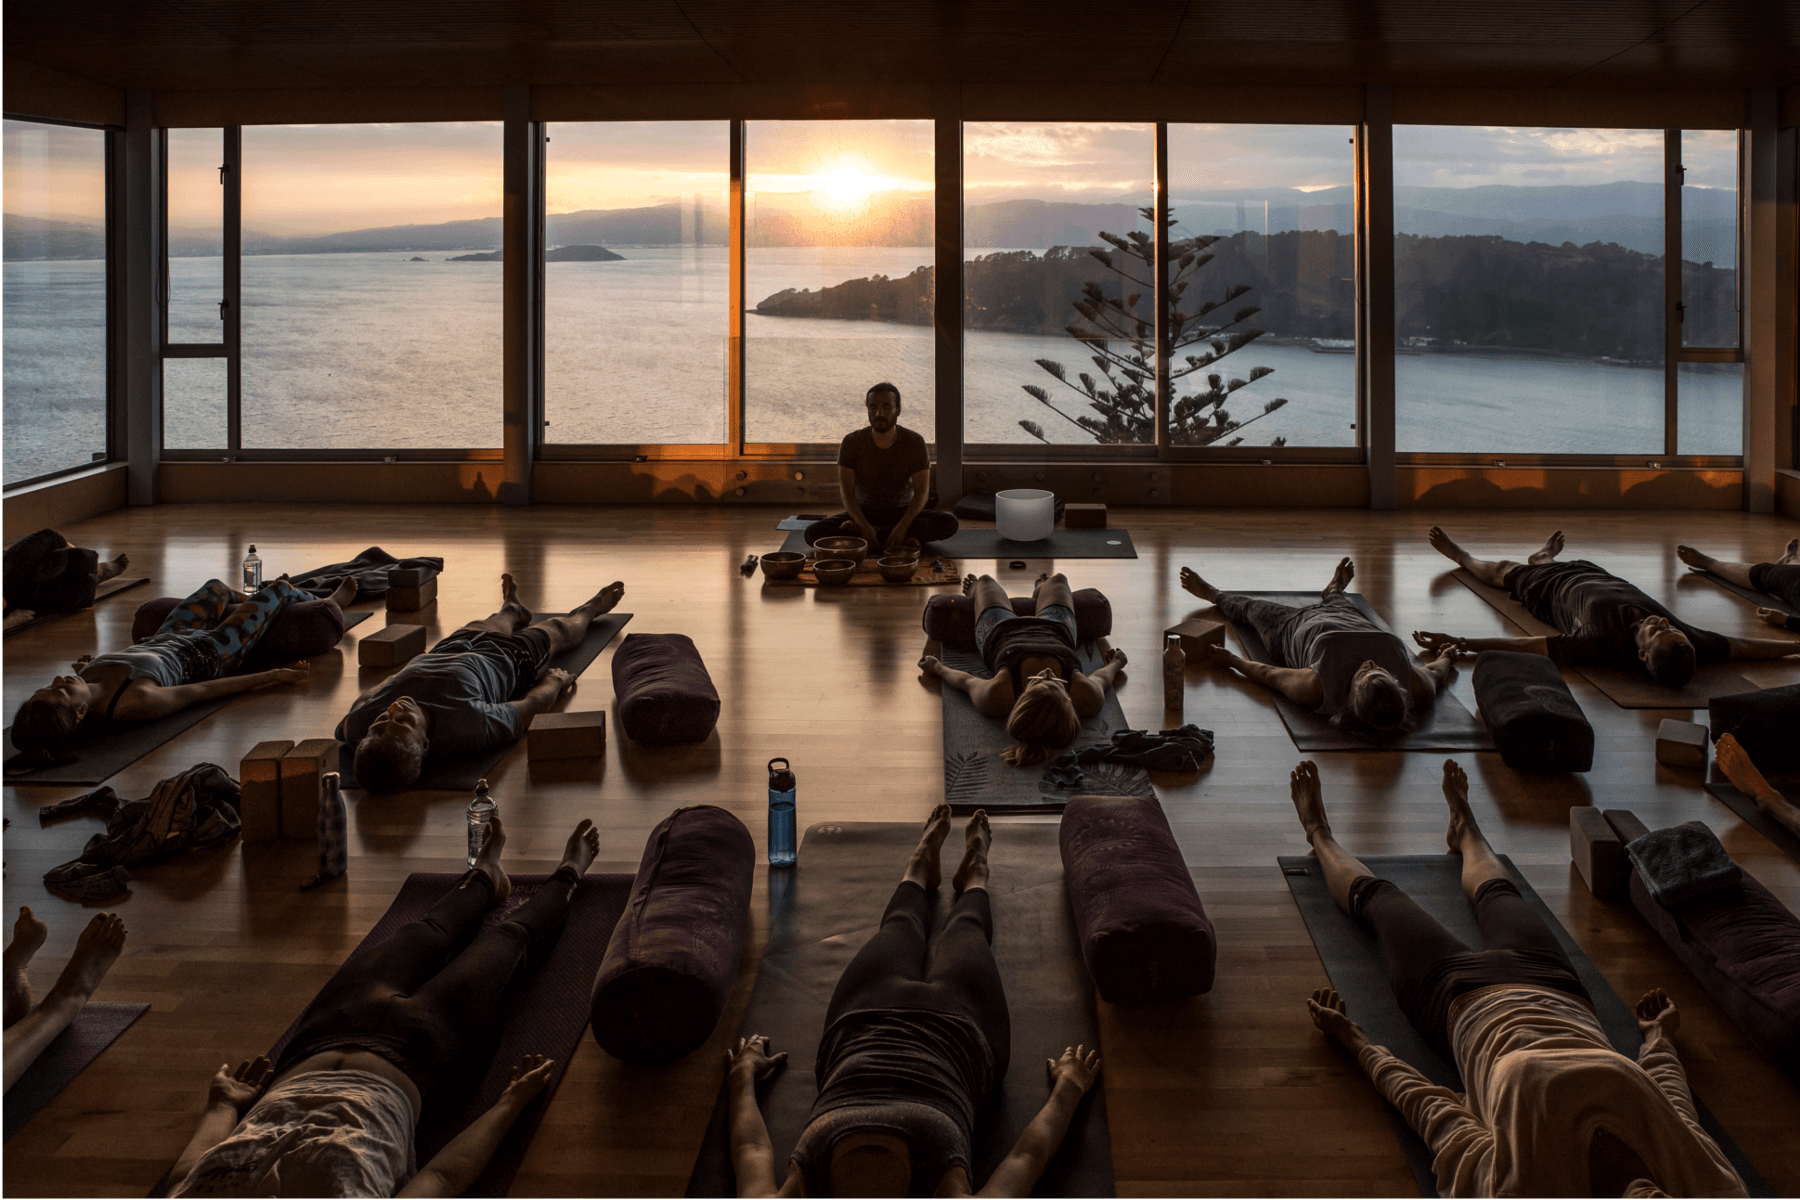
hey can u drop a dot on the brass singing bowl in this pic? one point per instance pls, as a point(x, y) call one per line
point(852, 548)
point(898, 568)
point(783, 564)
point(833, 571)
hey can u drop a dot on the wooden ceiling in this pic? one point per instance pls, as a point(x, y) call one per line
point(215, 45)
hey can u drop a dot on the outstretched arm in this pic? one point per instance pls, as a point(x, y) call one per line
point(454, 1169)
point(1071, 1076)
point(555, 682)
point(752, 1154)
point(1439, 642)
point(143, 702)
point(1760, 648)
point(231, 1093)
point(990, 700)
point(1088, 692)
point(1299, 684)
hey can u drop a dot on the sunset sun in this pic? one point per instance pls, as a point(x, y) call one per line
point(846, 184)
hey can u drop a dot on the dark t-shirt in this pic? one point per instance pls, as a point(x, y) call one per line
point(47, 575)
point(1782, 581)
point(1595, 612)
point(464, 687)
point(1335, 638)
point(884, 477)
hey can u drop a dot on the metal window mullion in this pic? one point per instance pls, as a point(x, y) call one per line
point(117, 433)
point(231, 222)
point(1160, 290)
point(1671, 290)
point(540, 239)
point(734, 325)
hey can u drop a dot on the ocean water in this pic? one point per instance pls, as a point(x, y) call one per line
point(346, 351)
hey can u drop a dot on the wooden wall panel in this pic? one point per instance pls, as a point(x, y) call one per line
point(1787, 493)
point(332, 482)
point(1568, 487)
point(64, 501)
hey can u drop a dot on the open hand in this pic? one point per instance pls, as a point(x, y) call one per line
point(561, 678)
point(1329, 1014)
point(81, 662)
point(530, 1077)
point(292, 673)
point(1657, 1012)
point(752, 1058)
point(1078, 1065)
point(1437, 643)
point(241, 1087)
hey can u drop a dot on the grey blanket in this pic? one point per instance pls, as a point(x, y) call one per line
point(1682, 862)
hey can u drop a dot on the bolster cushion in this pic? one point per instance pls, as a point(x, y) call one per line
point(669, 968)
point(951, 619)
point(299, 631)
point(1763, 722)
point(1144, 934)
point(663, 690)
point(1532, 715)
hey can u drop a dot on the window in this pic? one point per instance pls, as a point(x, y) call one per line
point(637, 282)
point(55, 305)
point(1038, 200)
point(1264, 241)
point(1710, 386)
point(838, 249)
point(372, 286)
point(1528, 277)
point(196, 391)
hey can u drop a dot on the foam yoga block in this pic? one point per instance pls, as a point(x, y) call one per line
point(394, 646)
point(663, 690)
point(1681, 744)
point(1531, 714)
point(299, 631)
point(669, 968)
point(302, 779)
point(567, 735)
point(1598, 852)
point(412, 599)
point(1144, 934)
point(1764, 724)
point(951, 619)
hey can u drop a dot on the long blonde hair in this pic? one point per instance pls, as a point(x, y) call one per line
point(1043, 719)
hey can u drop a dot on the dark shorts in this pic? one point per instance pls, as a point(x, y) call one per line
point(528, 649)
point(1780, 580)
point(994, 616)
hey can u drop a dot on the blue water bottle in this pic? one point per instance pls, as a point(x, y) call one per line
point(781, 814)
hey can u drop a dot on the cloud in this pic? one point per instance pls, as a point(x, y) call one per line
point(1472, 156)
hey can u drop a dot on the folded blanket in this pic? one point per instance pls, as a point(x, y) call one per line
point(1682, 862)
point(1183, 749)
point(371, 569)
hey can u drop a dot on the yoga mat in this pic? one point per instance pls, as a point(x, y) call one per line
point(975, 776)
point(107, 750)
point(464, 772)
point(1627, 689)
point(798, 523)
point(1745, 807)
point(1353, 961)
point(94, 1029)
point(111, 587)
point(1447, 725)
point(546, 1014)
point(1062, 543)
point(831, 903)
point(1760, 599)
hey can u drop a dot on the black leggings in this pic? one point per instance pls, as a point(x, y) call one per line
point(931, 525)
point(428, 999)
point(898, 969)
point(1429, 967)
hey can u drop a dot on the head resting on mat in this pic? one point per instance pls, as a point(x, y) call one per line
point(1043, 720)
point(1666, 652)
point(44, 730)
point(1379, 704)
point(392, 754)
point(870, 1164)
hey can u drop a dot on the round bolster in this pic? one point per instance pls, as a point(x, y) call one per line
point(1143, 931)
point(1534, 718)
point(673, 958)
point(664, 693)
point(299, 631)
point(1763, 722)
point(951, 619)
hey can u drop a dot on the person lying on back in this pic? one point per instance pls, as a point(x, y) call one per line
point(476, 689)
point(884, 473)
point(46, 575)
point(1780, 579)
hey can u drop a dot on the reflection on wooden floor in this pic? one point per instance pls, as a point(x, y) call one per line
point(1232, 1093)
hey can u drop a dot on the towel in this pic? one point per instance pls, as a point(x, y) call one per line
point(1682, 862)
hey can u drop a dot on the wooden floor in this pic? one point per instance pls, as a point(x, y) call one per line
point(1231, 1093)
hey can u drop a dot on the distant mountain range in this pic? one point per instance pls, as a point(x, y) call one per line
point(1624, 214)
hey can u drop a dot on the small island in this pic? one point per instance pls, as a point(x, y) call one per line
point(416, 258)
point(490, 256)
point(582, 254)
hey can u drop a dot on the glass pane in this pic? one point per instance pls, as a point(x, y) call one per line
point(1263, 251)
point(1709, 238)
point(194, 408)
point(1528, 281)
point(55, 298)
point(372, 286)
point(1710, 419)
point(637, 282)
point(196, 243)
point(839, 232)
point(1040, 203)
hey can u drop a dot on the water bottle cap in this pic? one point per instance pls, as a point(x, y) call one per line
point(780, 780)
point(253, 547)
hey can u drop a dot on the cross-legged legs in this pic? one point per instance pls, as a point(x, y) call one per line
point(28, 1029)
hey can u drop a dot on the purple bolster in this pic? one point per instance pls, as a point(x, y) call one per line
point(951, 619)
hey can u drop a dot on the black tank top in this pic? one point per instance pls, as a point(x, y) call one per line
point(1014, 641)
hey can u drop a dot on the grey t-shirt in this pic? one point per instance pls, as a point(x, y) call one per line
point(464, 692)
point(1334, 638)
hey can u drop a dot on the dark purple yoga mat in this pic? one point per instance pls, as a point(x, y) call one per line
point(93, 1030)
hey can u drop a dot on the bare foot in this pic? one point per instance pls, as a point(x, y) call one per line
point(1792, 556)
point(607, 598)
point(344, 593)
point(973, 871)
point(27, 939)
point(1456, 795)
point(509, 589)
point(1309, 799)
point(1191, 581)
point(583, 847)
point(487, 859)
point(1693, 558)
point(96, 950)
point(968, 585)
point(923, 868)
point(1441, 542)
point(1734, 760)
point(1552, 547)
point(1340, 579)
point(1772, 616)
point(113, 569)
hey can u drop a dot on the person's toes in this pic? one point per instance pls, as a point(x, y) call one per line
point(28, 937)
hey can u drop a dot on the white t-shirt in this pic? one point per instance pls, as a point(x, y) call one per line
point(324, 1133)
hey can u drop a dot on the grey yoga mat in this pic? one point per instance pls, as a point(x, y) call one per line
point(823, 911)
point(1447, 725)
point(975, 776)
point(1760, 599)
point(108, 749)
point(1352, 959)
point(111, 587)
point(1745, 808)
point(95, 1028)
point(987, 543)
point(465, 771)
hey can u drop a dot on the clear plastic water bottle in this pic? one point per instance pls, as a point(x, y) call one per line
point(481, 813)
point(781, 814)
point(252, 570)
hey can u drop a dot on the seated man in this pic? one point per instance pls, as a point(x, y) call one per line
point(1602, 621)
point(46, 575)
point(1330, 657)
point(1780, 579)
point(476, 689)
point(885, 475)
point(29, 1029)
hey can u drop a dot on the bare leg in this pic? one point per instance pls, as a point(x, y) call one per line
point(987, 593)
point(1340, 579)
point(344, 594)
point(1791, 556)
point(1736, 572)
point(972, 872)
point(1492, 573)
point(1052, 589)
point(1341, 867)
point(27, 939)
point(487, 859)
point(95, 952)
point(1191, 582)
point(513, 615)
point(1747, 779)
point(112, 569)
point(922, 867)
point(566, 632)
point(1480, 864)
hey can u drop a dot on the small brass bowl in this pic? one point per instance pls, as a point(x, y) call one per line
point(783, 564)
point(852, 548)
point(834, 571)
point(898, 568)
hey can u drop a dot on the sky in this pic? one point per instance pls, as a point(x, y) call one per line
point(54, 171)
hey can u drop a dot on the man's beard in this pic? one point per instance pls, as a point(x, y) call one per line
point(882, 424)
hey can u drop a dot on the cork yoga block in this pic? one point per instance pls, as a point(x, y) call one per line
point(409, 577)
point(567, 735)
point(1681, 744)
point(302, 770)
point(394, 646)
point(1197, 633)
point(259, 791)
point(412, 599)
point(1598, 852)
